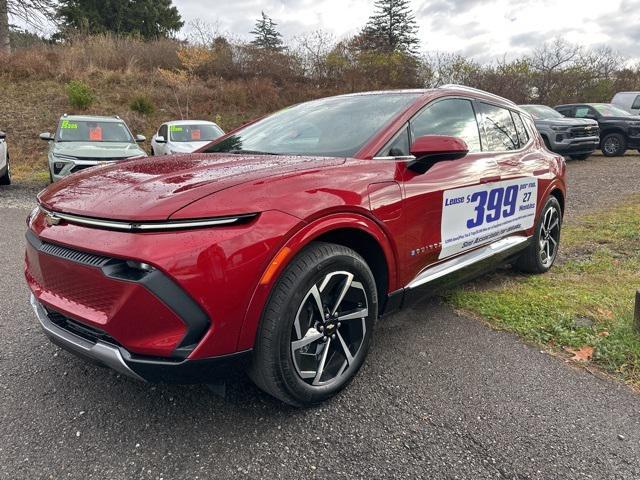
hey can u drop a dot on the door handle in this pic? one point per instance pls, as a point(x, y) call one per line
point(495, 178)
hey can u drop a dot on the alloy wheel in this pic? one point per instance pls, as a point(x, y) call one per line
point(329, 329)
point(549, 237)
point(612, 145)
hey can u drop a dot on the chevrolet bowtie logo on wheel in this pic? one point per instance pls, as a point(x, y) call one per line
point(52, 220)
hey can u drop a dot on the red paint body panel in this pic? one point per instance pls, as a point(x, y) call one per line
point(298, 199)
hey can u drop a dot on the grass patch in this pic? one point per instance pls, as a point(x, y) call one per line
point(585, 301)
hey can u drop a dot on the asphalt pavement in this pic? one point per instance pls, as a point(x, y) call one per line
point(442, 396)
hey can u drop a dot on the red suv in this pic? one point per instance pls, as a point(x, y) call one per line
point(278, 246)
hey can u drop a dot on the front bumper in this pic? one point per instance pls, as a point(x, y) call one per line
point(152, 370)
point(576, 146)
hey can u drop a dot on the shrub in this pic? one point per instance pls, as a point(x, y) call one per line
point(80, 94)
point(142, 104)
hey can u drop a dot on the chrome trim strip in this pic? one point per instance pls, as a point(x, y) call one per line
point(467, 259)
point(142, 227)
point(404, 158)
point(105, 354)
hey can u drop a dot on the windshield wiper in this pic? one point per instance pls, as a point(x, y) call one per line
point(250, 152)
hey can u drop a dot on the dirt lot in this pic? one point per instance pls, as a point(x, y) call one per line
point(441, 396)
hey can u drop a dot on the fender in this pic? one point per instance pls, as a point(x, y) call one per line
point(292, 247)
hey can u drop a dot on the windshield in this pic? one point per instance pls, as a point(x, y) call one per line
point(89, 131)
point(194, 133)
point(609, 110)
point(541, 112)
point(331, 127)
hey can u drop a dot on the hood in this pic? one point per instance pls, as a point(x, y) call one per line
point(97, 150)
point(567, 122)
point(154, 188)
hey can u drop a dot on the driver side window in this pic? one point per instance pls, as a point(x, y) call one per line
point(454, 117)
point(585, 112)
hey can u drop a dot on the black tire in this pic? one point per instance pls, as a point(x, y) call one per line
point(546, 143)
point(6, 178)
point(50, 176)
point(153, 153)
point(536, 259)
point(613, 145)
point(582, 156)
point(292, 317)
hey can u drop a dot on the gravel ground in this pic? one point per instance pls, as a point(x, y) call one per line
point(441, 396)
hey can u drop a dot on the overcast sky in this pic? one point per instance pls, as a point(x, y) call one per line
point(479, 29)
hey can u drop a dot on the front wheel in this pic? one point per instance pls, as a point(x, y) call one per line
point(317, 326)
point(614, 145)
point(541, 254)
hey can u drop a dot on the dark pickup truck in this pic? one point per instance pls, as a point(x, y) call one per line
point(619, 129)
point(576, 138)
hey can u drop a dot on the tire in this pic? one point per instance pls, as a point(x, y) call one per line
point(301, 356)
point(50, 176)
point(546, 143)
point(582, 156)
point(6, 178)
point(541, 254)
point(153, 153)
point(613, 145)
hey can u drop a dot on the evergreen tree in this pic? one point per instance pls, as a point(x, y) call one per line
point(266, 35)
point(147, 18)
point(392, 28)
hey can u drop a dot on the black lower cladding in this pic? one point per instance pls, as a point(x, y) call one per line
point(187, 372)
point(165, 289)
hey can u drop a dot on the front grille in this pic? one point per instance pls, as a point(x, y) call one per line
point(84, 331)
point(74, 255)
point(582, 132)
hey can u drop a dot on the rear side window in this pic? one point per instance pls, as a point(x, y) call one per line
point(500, 130)
point(583, 112)
point(523, 135)
point(454, 117)
point(636, 103)
point(567, 112)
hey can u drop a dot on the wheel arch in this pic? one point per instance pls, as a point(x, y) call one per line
point(355, 231)
point(559, 195)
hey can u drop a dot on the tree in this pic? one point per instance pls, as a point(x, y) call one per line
point(31, 12)
point(147, 18)
point(392, 28)
point(266, 35)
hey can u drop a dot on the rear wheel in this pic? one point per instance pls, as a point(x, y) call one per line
point(317, 327)
point(614, 145)
point(582, 156)
point(543, 250)
point(6, 178)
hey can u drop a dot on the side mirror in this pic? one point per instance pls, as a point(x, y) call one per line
point(431, 149)
point(140, 138)
point(160, 139)
point(3, 135)
point(47, 137)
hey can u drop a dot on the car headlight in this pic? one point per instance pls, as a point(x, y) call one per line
point(558, 128)
point(634, 124)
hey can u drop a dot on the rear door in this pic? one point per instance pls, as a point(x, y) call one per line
point(635, 106)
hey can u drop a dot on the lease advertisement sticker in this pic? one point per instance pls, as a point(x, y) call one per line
point(473, 216)
point(95, 134)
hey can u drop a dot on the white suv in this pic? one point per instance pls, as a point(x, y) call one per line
point(5, 171)
point(184, 136)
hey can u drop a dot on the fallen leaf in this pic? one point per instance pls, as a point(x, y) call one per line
point(603, 334)
point(582, 355)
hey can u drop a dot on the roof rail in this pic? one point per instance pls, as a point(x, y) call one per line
point(476, 90)
point(65, 115)
point(117, 116)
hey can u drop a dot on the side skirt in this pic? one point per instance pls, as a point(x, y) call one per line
point(457, 270)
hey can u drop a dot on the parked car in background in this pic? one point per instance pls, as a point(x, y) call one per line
point(81, 142)
point(629, 101)
point(278, 247)
point(576, 138)
point(184, 136)
point(619, 130)
point(5, 169)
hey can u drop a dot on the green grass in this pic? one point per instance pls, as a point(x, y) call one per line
point(586, 300)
